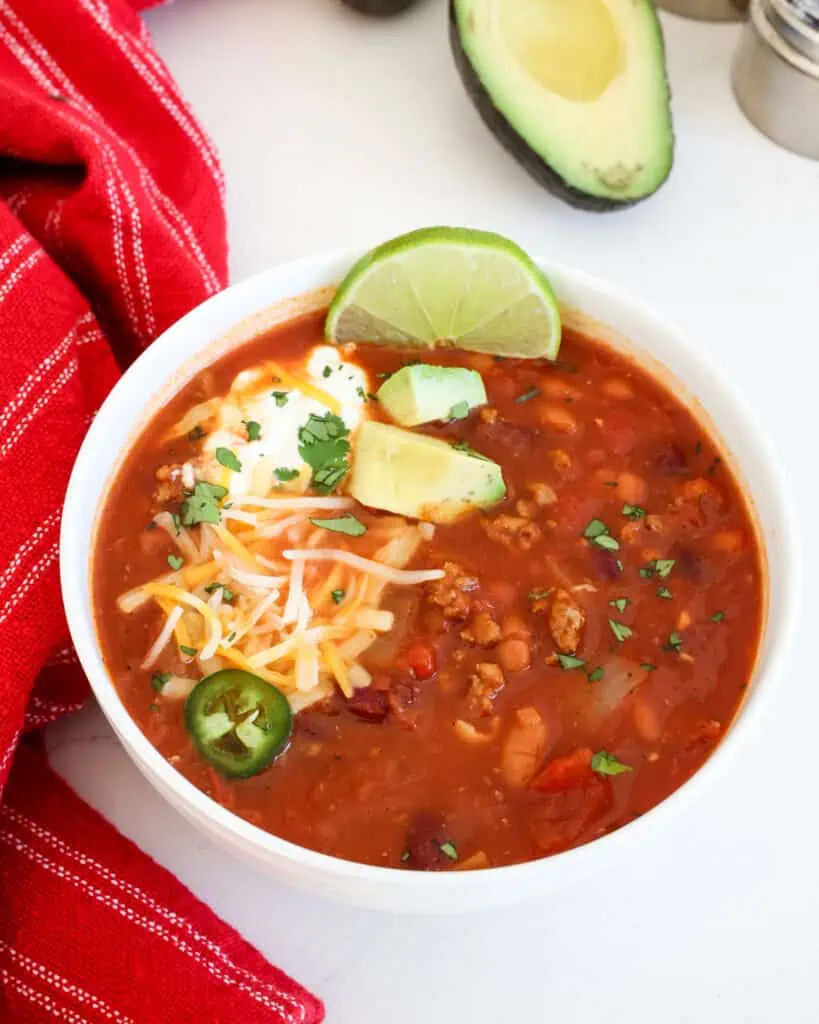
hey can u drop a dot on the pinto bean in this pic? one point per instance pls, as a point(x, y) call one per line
point(557, 417)
point(514, 654)
point(631, 488)
point(369, 704)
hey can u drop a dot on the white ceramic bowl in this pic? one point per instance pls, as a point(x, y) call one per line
point(212, 328)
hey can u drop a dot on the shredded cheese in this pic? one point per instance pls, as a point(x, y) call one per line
point(336, 666)
point(401, 577)
point(165, 634)
point(307, 388)
point(234, 545)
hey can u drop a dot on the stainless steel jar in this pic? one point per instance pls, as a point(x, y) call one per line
point(707, 10)
point(776, 72)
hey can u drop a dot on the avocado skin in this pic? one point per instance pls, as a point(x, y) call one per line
point(379, 8)
point(517, 146)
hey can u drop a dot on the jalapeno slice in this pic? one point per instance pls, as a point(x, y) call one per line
point(239, 722)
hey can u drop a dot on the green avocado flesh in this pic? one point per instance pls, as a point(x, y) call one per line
point(419, 476)
point(576, 90)
point(421, 393)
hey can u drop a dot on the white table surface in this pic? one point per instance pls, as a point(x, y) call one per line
point(337, 131)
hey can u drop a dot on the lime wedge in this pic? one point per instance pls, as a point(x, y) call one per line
point(451, 287)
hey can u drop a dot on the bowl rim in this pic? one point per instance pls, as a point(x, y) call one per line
point(249, 836)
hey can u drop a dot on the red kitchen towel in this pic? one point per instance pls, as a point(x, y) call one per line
point(111, 227)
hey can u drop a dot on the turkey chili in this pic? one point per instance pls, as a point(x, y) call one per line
point(456, 638)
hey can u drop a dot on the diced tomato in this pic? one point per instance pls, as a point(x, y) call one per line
point(422, 660)
point(573, 796)
point(565, 772)
point(620, 431)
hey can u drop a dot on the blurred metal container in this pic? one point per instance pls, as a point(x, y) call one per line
point(776, 72)
point(707, 10)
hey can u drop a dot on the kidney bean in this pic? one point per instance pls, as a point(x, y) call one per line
point(425, 834)
point(605, 563)
point(669, 459)
point(369, 704)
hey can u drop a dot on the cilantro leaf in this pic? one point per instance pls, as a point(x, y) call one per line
point(225, 457)
point(254, 430)
point(596, 674)
point(284, 474)
point(348, 525)
point(448, 849)
point(324, 447)
point(633, 511)
point(280, 398)
point(159, 679)
point(569, 661)
point(605, 763)
point(620, 603)
point(337, 596)
point(620, 630)
point(227, 593)
point(202, 506)
point(175, 562)
point(190, 651)
point(527, 395)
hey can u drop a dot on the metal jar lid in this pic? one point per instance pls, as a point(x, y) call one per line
point(776, 72)
point(706, 10)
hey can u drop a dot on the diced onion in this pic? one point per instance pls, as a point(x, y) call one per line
point(294, 593)
point(165, 634)
point(401, 577)
point(178, 688)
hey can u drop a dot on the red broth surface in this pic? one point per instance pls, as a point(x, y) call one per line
point(475, 744)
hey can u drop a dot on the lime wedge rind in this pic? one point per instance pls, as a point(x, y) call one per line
point(448, 286)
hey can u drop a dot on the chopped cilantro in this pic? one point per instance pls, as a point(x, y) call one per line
point(663, 566)
point(326, 371)
point(280, 398)
point(665, 592)
point(154, 707)
point(718, 616)
point(596, 674)
point(348, 525)
point(337, 596)
point(448, 849)
point(196, 433)
point(362, 394)
point(190, 651)
point(324, 447)
point(527, 395)
point(596, 528)
point(620, 603)
point(621, 631)
point(462, 446)
point(405, 856)
point(714, 465)
point(598, 533)
point(159, 679)
point(647, 571)
point(633, 511)
point(254, 430)
point(202, 506)
point(225, 457)
point(459, 411)
point(283, 473)
point(177, 523)
point(605, 763)
point(674, 642)
point(231, 637)
point(569, 661)
point(647, 666)
point(175, 562)
point(227, 593)
point(610, 483)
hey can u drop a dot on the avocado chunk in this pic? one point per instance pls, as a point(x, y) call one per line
point(419, 476)
point(575, 90)
point(421, 393)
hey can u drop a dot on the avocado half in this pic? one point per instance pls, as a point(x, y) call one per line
point(575, 90)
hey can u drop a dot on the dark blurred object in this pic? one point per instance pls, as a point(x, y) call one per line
point(707, 10)
point(379, 8)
